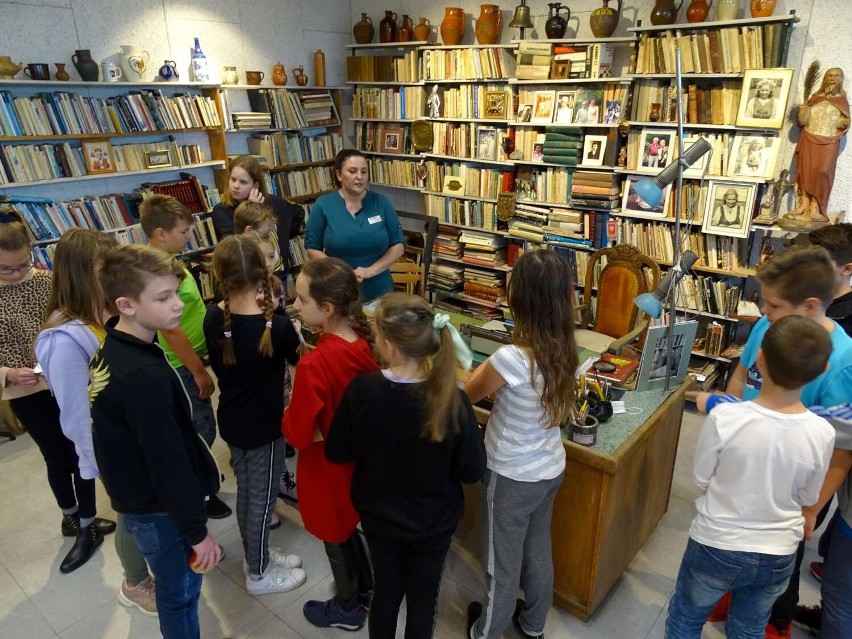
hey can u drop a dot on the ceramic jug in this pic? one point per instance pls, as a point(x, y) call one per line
point(86, 67)
point(422, 30)
point(727, 9)
point(665, 12)
point(61, 73)
point(169, 71)
point(556, 24)
point(300, 75)
point(279, 75)
point(363, 30)
point(254, 78)
point(604, 20)
point(489, 24)
point(452, 26)
point(112, 73)
point(134, 63)
point(8, 69)
point(405, 33)
point(37, 71)
point(230, 75)
point(387, 27)
point(698, 10)
point(762, 8)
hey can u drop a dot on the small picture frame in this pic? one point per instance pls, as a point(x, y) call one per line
point(537, 152)
point(612, 113)
point(543, 107)
point(654, 370)
point(594, 147)
point(495, 105)
point(157, 159)
point(637, 207)
point(486, 143)
point(213, 197)
point(560, 69)
point(696, 170)
point(453, 185)
point(763, 99)
point(656, 148)
point(524, 113)
point(753, 155)
point(565, 102)
point(98, 157)
point(587, 106)
point(729, 208)
point(391, 140)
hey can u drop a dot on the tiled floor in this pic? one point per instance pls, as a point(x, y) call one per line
point(36, 601)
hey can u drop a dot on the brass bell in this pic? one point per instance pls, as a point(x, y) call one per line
point(521, 19)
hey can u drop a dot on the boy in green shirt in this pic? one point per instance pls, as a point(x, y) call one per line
point(168, 223)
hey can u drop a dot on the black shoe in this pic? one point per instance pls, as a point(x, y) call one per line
point(88, 540)
point(474, 612)
point(217, 509)
point(809, 618)
point(289, 451)
point(519, 608)
point(71, 524)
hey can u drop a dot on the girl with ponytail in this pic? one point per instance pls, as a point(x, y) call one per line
point(249, 349)
point(413, 438)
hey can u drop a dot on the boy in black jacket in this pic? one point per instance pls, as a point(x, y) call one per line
point(156, 469)
point(837, 240)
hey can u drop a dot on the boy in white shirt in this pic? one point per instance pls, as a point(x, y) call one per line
point(758, 464)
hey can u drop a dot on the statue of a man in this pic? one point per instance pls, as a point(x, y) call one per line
point(434, 103)
point(825, 120)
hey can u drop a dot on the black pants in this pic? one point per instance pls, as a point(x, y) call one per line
point(350, 569)
point(785, 605)
point(39, 413)
point(412, 570)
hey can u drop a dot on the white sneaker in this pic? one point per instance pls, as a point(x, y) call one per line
point(277, 579)
point(278, 556)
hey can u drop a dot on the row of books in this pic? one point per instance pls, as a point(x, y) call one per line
point(247, 120)
point(131, 157)
point(304, 182)
point(48, 220)
point(297, 251)
point(33, 162)
point(467, 64)
point(295, 109)
point(374, 137)
point(397, 103)
point(383, 68)
point(542, 61)
point(478, 181)
point(469, 101)
point(704, 294)
point(702, 104)
point(725, 50)
point(64, 113)
point(282, 149)
point(393, 172)
point(464, 212)
point(469, 140)
point(547, 184)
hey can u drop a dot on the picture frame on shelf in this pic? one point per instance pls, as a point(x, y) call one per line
point(496, 105)
point(543, 107)
point(612, 114)
point(560, 69)
point(654, 370)
point(453, 185)
point(697, 169)
point(728, 208)
point(587, 106)
point(486, 143)
point(594, 148)
point(763, 98)
point(157, 159)
point(213, 197)
point(524, 113)
point(656, 149)
point(565, 103)
point(636, 206)
point(98, 157)
point(392, 140)
point(753, 155)
point(537, 152)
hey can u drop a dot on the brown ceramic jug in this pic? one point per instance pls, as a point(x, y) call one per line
point(300, 75)
point(387, 27)
point(698, 10)
point(61, 73)
point(363, 30)
point(279, 75)
point(422, 30)
point(604, 20)
point(405, 33)
point(665, 12)
point(489, 24)
point(762, 8)
point(452, 26)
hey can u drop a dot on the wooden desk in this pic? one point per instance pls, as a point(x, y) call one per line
point(610, 502)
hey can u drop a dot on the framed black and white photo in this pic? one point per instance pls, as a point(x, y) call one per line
point(656, 365)
point(636, 206)
point(543, 107)
point(594, 147)
point(157, 159)
point(564, 107)
point(524, 113)
point(392, 140)
point(656, 150)
point(763, 100)
point(486, 143)
point(753, 155)
point(728, 208)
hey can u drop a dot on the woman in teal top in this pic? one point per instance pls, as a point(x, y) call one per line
point(357, 226)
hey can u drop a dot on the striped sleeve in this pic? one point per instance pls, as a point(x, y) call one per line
point(841, 418)
point(512, 365)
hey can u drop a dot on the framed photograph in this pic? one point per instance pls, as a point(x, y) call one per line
point(158, 158)
point(612, 115)
point(753, 155)
point(98, 157)
point(656, 366)
point(656, 148)
point(495, 105)
point(728, 208)
point(543, 106)
point(763, 100)
point(560, 69)
point(700, 165)
point(636, 206)
point(213, 197)
point(391, 141)
point(565, 101)
point(587, 108)
point(594, 147)
point(524, 113)
point(453, 185)
point(486, 143)
point(538, 152)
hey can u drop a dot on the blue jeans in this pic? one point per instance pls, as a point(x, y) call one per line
point(178, 587)
point(707, 573)
point(203, 419)
point(837, 584)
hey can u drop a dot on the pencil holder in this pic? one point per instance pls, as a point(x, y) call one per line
point(584, 433)
point(600, 409)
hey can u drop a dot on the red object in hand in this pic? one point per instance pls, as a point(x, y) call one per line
point(192, 560)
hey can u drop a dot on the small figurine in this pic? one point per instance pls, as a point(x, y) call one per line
point(622, 156)
point(770, 203)
point(434, 103)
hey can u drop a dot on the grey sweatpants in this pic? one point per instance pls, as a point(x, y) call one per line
point(516, 533)
point(257, 471)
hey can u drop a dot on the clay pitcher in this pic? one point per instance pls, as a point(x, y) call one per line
point(489, 24)
point(762, 8)
point(405, 33)
point(698, 10)
point(556, 24)
point(422, 30)
point(300, 75)
point(604, 20)
point(665, 12)
point(279, 73)
point(387, 27)
point(86, 67)
point(727, 9)
point(363, 30)
point(134, 63)
point(61, 73)
point(9, 69)
point(452, 26)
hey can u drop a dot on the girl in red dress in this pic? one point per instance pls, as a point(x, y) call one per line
point(328, 296)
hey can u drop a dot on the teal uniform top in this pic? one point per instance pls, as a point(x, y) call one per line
point(358, 240)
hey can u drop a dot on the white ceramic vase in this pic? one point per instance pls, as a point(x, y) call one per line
point(134, 63)
point(727, 9)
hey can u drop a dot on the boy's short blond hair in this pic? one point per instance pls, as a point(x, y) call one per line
point(252, 214)
point(162, 212)
point(125, 270)
point(798, 273)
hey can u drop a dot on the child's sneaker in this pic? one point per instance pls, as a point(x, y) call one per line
point(142, 595)
point(287, 488)
point(366, 598)
point(278, 556)
point(278, 578)
point(808, 617)
point(330, 614)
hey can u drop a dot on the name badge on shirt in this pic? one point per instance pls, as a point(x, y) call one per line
point(375, 219)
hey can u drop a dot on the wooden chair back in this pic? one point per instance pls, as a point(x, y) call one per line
point(409, 277)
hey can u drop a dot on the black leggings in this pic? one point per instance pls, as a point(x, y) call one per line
point(351, 569)
point(408, 569)
point(39, 413)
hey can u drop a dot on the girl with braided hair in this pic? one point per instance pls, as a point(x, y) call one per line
point(249, 350)
point(328, 297)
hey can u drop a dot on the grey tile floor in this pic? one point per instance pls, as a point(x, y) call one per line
point(36, 601)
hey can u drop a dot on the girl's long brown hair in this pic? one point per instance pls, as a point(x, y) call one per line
point(75, 294)
point(239, 266)
point(332, 280)
point(255, 171)
point(406, 321)
point(541, 294)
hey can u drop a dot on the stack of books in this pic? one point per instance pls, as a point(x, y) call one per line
point(483, 249)
point(533, 60)
point(488, 286)
point(529, 222)
point(562, 145)
point(318, 108)
point(251, 120)
point(595, 189)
